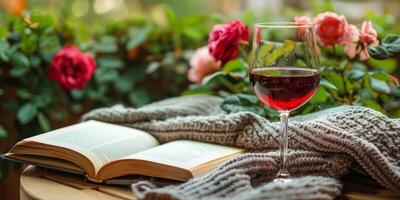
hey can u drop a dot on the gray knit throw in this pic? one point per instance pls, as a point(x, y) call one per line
point(323, 146)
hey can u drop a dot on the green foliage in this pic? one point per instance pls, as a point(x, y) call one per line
point(43, 122)
point(138, 60)
point(26, 113)
point(21, 64)
point(138, 36)
point(243, 102)
point(278, 54)
point(389, 47)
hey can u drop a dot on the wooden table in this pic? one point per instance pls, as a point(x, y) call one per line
point(37, 183)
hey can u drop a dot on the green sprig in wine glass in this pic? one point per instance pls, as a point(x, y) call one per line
point(284, 72)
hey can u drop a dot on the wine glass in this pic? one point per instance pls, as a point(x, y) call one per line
point(284, 72)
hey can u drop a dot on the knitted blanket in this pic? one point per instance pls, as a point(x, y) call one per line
point(323, 146)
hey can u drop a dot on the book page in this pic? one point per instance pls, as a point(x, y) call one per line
point(185, 154)
point(100, 142)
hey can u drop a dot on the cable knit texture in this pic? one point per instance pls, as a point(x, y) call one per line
point(323, 145)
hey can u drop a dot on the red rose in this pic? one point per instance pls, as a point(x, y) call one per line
point(71, 68)
point(224, 40)
point(330, 28)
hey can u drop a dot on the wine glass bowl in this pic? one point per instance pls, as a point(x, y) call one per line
point(284, 89)
point(284, 72)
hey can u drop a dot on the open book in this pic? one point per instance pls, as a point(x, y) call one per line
point(104, 151)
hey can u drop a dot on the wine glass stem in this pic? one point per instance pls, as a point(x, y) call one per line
point(283, 172)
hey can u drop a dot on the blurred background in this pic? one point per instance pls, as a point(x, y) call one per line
point(142, 50)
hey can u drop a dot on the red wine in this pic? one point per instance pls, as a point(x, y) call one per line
point(285, 88)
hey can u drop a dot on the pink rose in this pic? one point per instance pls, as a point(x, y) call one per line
point(302, 20)
point(364, 55)
point(71, 68)
point(368, 36)
point(350, 39)
point(330, 28)
point(224, 40)
point(201, 65)
point(352, 34)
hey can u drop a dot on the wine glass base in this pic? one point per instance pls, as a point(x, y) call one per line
point(282, 177)
point(282, 180)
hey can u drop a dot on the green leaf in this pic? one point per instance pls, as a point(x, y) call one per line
point(278, 54)
point(197, 91)
point(107, 44)
point(29, 43)
point(49, 44)
point(43, 20)
point(265, 50)
point(26, 113)
point(19, 59)
point(3, 132)
point(356, 74)
point(77, 94)
point(43, 122)
point(392, 44)
point(172, 19)
point(382, 76)
point(192, 33)
point(138, 36)
point(378, 52)
point(393, 49)
point(123, 84)
point(243, 102)
point(392, 39)
point(24, 93)
point(98, 93)
point(367, 92)
point(335, 79)
point(110, 62)
point(5, 51)
point(237, 65)
point(372, 104)
point(328, 84)
point(320, 96)
point(35, 60)
point(213, 77)
point(140, 97)
point(18, 25)
point(389, 65)
point(18, 71)
point(42, 100)
point(20, 64)
point(3, 33)
point(380, 86)
point(103, 75)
